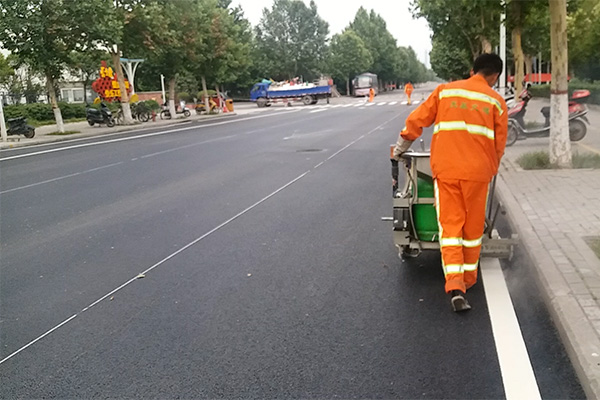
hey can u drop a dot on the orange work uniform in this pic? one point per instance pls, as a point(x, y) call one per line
point(408, 89)
point(371, 95)
point(468, 142)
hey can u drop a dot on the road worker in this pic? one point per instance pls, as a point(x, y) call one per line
point(468, 142)
point(371, 95)
point(408, 89)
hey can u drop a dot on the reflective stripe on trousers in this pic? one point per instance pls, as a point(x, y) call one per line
point(460, 207)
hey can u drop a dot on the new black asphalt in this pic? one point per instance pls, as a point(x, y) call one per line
point(271, 274)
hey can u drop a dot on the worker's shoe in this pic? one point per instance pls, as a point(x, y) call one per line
point(459, 303)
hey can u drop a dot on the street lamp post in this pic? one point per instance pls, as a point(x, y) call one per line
point(3, 131)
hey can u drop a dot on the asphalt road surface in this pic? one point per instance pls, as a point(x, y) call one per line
point(240, 258)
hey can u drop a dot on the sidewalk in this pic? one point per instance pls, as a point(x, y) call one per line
point(42, 133)
point(553, 211)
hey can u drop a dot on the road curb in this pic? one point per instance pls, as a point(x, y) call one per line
point(576, 330)
point(122, 129)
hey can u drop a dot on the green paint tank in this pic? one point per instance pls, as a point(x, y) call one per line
point(424, 215)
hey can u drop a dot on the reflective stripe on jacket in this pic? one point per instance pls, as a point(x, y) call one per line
point(469, 135)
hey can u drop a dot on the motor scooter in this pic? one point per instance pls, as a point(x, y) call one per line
point(18, 126)
point(166, 114)
point(577, 119)
point(101, 116)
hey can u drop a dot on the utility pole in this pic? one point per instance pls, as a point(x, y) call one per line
point(162, 84)
point(502, 81)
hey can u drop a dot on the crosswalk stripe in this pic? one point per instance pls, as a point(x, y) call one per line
point(370, 104)
point(319, 110)
point(382, 103)
point(393, 103)
point(358, 105)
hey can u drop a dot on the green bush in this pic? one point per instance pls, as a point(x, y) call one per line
point(151, 105)
point(185, 97)
point(575, 84)
point(43, 112)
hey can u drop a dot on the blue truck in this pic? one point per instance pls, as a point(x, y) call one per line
point(265, 93)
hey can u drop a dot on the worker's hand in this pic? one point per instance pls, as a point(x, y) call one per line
point(402, 147)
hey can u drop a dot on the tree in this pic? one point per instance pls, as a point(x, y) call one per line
point(86, 65)
point(584, 38)
point(6, 71)
point(349, 56)
point(560, 145)
point(291, 40)
point(171, 35)
point(450, 57)
point(372, 29)
point(475, 21)
point(42, 34)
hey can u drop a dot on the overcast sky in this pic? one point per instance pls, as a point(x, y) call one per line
point(339, 13)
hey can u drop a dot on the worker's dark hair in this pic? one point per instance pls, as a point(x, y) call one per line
point(488, 64)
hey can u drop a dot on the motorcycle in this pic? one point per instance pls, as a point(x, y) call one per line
point(18, 126)
point(577, 119)
point(101, 116)
point(166, 114)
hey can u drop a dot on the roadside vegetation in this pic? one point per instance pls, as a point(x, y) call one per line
point(541, 160)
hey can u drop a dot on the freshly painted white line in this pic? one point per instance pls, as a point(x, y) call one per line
point(135, 278)
point(383, 103)
point(515, 366)
point(404, 103)
point(320, 110)
point(416, 101)
point(358, 104)
point(60, 178)
point(349, 105)
point(393, 103)
point(138, 136)
point(369, 104)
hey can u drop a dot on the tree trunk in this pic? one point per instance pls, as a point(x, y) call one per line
point(116, 58)
point(172, 108)
point(519, 59)
point(60, 126)
point(205, 92)
point(347, 86)
point(219, 96)
point(560, 145)
point(529, 67)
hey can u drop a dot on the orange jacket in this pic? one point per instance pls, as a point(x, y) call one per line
point(469, 135)
point(408, 88)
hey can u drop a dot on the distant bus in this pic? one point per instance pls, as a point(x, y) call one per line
point(363, 83)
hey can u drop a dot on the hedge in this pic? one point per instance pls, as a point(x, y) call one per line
point(43, 112)
point(594, 88)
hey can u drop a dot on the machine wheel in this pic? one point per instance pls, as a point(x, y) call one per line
point(261, 102)
point(186, 113)
point(407, 252)
point(513, 134)
point(315, 101)
point(307, 100)
point(165, 114)
point(90, 122)
point(30, 133)
point(110, 123)
point(577, 130)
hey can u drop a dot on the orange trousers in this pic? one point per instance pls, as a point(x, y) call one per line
point(460, 207)
point(408, 97)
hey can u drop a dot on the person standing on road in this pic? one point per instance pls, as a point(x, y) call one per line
point(408, 89)
point(371, 95)
point(469, 138)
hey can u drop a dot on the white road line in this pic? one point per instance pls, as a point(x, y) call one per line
point(404, 103)
point(338, 105)
point(77, 146)
point(60, 178)
point(382, 103)
point(515, 366)
point(359, 104)
point(349, 105)
point(316, 111)
point(369, 104)
point(187, 246)
point(393, 103)
point(416, 101)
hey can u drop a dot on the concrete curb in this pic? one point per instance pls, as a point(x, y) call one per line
point(47, 139)
point(576, 330)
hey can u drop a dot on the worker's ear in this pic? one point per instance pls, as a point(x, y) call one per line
point(492, 79)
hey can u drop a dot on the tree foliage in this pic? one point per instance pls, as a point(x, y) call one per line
point(349, 55)
point(291, 40)
point(584, 38)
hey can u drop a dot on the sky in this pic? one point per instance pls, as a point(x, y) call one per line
point(339, 14)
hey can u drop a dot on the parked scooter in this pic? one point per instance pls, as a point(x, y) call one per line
point(101, 116)
point(577, 119)
point(18, 126)
point(166, 114)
